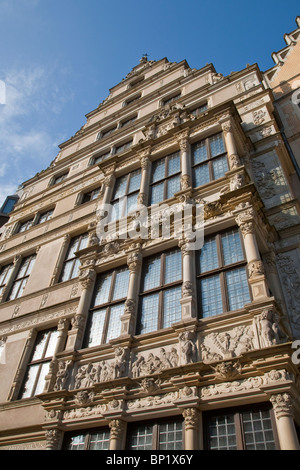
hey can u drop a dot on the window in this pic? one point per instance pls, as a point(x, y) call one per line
point(90, 196)
point(241, 430)
point(221, 271)
point(59, 178)
point(100, 158)
point(71, 264)
point(199, 110)
point(5, 273)
point(96, 440)
point(136, 82)
point(107, 307)
point(132, 99)
point(125, 195)
point(123, 147)
point(165, 178)
point(38, 366)
point(164, 435)
point(22, 277)
point(24, 226)
point(160, 292)
point(128, 121)
point(106, 132)
point(45, 216)
point(171, 99)
point(209, 160)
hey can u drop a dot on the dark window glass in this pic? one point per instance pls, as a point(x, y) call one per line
point(125, 195)
point(221, 272)
point(5, 273)
point(107, 307)
point(59, 178)
point(209, 160)
point(71, 264)
point(23, 226)
point(91, 195)
point(160, 292)
point(22, 277)
point(165, 178)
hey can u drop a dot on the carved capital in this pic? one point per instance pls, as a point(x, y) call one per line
point(191, 418)
point(53, 439)
point(255, 268)
point(185, 182)
point(87, 278)
point(117, 428)
point(282, 405)
point(134, 261)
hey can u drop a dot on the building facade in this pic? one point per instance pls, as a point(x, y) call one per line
point(129, 335)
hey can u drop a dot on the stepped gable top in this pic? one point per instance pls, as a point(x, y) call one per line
point(291, 39)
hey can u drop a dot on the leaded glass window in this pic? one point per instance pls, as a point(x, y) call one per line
point(88, 440)
point(209, 160)
point(160, 292)
point(125, 195)
point(165, 178)
point(90, 195)
point(71, 264)
point(38, 367)
point(244, 429)
point(164, 435)
point(107, 307)
point(221, 274)
point(22, 277)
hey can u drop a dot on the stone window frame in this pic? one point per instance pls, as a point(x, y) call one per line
point(220, 271)
point(160, 289)
point(239, 431)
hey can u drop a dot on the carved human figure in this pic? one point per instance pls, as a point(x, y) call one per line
point(188, 348)
point(62, 375)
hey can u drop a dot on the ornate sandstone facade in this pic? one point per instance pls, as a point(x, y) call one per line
point(136, 341)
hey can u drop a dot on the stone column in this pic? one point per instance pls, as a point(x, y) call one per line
point(145, 178)
point(232, 153)
point(192, 418)
point(246, 222)
point(87, 280)
point(185, 157)
point(134, 262)
point(54, 439)
point(283, 408)
point(187, 301)
point(117, 434)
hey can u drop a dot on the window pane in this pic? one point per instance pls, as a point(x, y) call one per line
point(40, 345)
point(15, 292)
point(5, 273)
point(83, 242)
point(173, 267)
point(114, 326)
point(221, 433)
point(120, 187)
point(174, 164)
point(151, 273)
point(76, 442)
point(258, 431)
point(30, 381)
point(140, 438)
point(201, 175)
point(135, 181)
point(52, 343)
point(102, 289)
point(170, 436)
point(40, 386)
point(211, 297)
point(149, 313)
point(199, 153)
point(237, 287)
point(132, 203)
point(157, 193)
point(121, 284)
point(173, 186)
point(208, 259)
point(232, 248)
point(95, 328)
point(67, 270)
point(216, 145)
point(158, 170)
point(220, 166)
point(172, 306)
point(99, 441)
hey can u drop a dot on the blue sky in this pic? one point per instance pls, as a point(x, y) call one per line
point(60, 57)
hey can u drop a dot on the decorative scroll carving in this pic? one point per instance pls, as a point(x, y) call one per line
point(227, 344)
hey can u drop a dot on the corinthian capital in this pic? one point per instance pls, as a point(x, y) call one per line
point(117, 427)
point(191, 418)
point(282, 404)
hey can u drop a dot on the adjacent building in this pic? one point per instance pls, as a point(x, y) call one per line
point(117, 330)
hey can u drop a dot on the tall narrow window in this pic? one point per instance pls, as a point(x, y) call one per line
point(165, 178)
point(5, 273)
point(248, 429)
point(163, 435)
point(22, 277)
point(90, 195)
point(24, 226)
point(107, 307)
point(71, 264)
point(222, 276)
point(125, 195)
point(38, 367)
point(45, 216)
point(209, 160)
point(160, 292)
point(97, 439)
